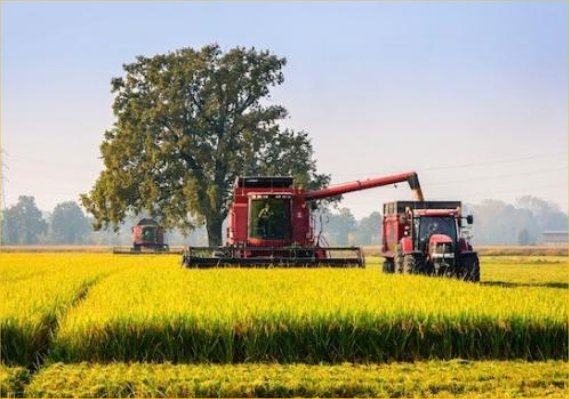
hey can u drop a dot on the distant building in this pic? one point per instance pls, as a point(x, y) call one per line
point(555, 237)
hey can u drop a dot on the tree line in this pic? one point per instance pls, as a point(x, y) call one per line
point(495, 223)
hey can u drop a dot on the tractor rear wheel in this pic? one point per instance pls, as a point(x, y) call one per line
point(413, 264)
point(469, 268)
point(398, 260)
point(388, 266)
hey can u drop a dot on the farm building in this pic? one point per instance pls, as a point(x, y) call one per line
point(555, 237)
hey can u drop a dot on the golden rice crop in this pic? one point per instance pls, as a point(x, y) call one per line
point(34, 292)
point(456, 378)
point(147, 308)
point(12, 381)
point(165, 313)
point(520, 271)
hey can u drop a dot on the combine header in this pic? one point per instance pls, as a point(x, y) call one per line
point(270, 224)
point(147, 237)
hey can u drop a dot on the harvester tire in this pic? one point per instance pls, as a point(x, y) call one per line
point(470, 268)
point(388, 266)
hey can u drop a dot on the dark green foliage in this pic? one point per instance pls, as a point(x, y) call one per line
point(189, 122)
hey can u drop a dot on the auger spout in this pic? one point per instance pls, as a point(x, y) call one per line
point(410, 177)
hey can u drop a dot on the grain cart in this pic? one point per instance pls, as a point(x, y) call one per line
point(270, 223)
point(147, 236)
point(424, 237)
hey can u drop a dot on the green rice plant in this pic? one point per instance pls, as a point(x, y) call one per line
point(306, 315)
point(456, 378)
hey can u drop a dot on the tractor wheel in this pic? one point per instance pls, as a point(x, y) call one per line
point(414, 264)
point(398, 260)
point(411, 264)
point(388, 266)
point(469, 268)
point(428, 269)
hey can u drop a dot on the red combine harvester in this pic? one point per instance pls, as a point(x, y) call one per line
point(270, 223)
point(147, 236)
point(425, 238)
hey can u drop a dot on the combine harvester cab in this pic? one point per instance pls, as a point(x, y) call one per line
point(147, 237)
point(424, 237)
point(270, 224)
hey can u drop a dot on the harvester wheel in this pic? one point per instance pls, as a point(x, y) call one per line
point(469, 268)
point(388, 266)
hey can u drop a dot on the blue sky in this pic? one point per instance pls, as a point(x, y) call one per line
point(472, 95)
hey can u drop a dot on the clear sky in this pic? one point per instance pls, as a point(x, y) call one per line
point(474, 96)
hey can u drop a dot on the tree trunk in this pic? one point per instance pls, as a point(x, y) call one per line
point(214, 236)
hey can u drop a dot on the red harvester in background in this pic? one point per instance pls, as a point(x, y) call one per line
point(147, 236)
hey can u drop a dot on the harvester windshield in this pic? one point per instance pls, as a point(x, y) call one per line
point(427, 225)
point(269, 217)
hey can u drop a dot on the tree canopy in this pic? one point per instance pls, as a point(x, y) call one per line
point(187, 123)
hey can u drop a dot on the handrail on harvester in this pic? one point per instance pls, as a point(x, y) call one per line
point(410, 177)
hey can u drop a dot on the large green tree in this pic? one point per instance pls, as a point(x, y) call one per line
point(187, 123)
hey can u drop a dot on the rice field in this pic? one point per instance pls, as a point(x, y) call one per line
point(310, 316)
point(455, 378)
point(64, 314)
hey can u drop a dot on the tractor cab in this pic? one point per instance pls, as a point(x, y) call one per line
point(440, 227)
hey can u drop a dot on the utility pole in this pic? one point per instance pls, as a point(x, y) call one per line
point(2, 194)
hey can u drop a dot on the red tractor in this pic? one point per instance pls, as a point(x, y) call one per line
point(147, 236)
point(270, 223)
point(425, 238)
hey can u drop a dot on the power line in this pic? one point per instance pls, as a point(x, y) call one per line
point(534, 172)
point(465, 165)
